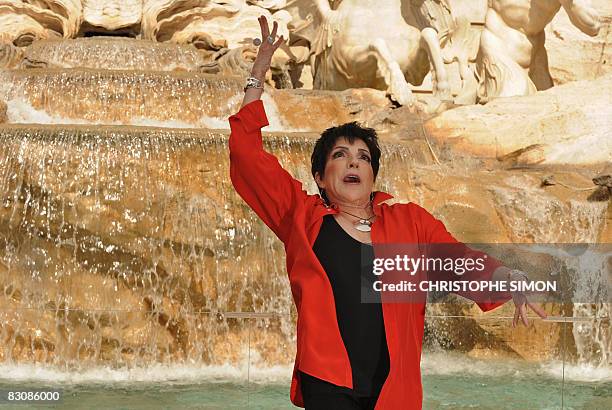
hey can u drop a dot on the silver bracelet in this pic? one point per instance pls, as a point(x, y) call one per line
point(252, 82)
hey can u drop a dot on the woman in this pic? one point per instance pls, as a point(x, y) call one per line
point(350, 355)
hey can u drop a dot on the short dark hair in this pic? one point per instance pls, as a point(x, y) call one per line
point(350, 131)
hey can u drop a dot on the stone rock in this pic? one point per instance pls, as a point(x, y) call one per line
point(572, 55)
point(3, 114)
point(320, 109)
point(456, 325)
point(569, 124)
point(268, 4)
point(214, 26)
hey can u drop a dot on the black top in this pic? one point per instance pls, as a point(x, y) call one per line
point(361, 324)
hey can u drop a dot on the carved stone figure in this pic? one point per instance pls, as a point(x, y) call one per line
point(268, 4)
point(458, 41)
point(216, 25)
point(208, 24)
point(367, 43)
point(174, 15)
point(512, 59)
point(112, 14)
point(237, 61)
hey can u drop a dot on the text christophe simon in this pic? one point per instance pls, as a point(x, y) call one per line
point(458, 266)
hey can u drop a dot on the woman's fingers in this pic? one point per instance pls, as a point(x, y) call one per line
point(278, 42)
point(265, 30)
point(265, 33)
point(520, 312)
point(516, 316)
point(538, 309)
point(523, 310)
point(266, 49)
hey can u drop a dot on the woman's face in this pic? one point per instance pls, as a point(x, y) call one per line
point(348, 175)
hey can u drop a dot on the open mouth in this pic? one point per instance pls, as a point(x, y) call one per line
point(352, 179)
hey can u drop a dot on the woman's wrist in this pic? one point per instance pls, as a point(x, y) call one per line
point(260, 77)
point(259, 72)
point(517, 275)
point(501, 274)
point(504, 273)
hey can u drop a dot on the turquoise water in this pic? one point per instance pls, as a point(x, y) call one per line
point(440, 392)
point(469, 392)
point(450, 381)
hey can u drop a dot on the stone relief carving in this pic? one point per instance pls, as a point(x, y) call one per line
point(112, 14)
point(10, 55)
point(350, 50)
point(21, 29)
point(23, 22)
point(226, 30)
point(237, 61)
point(575, 56)
point(512, 59)
point(214, 26)
point(473, 48)
point(162, 18)
point(268, 4)
point(459, 35)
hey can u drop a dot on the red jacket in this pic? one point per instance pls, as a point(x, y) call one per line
point(296, 217)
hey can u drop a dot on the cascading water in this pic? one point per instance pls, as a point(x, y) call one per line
point(113, 53)
point(593, 337)
point(145, 221)
point(119, 97)
point(126, 247)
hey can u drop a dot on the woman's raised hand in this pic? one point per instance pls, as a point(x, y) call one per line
point(521, 302)
point(268, 46)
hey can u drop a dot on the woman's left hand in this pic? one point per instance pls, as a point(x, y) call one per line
point(521, 301)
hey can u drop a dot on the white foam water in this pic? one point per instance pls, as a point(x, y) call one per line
point(446, 363)
point(149, 374)
point(19, 111)
point(578, 373)
point(438, 363)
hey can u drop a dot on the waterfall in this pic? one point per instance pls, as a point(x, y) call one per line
point(123, 243)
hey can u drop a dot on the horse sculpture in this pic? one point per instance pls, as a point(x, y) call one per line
point(370, 43)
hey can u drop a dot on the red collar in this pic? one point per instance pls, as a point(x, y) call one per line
point(379, 197)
